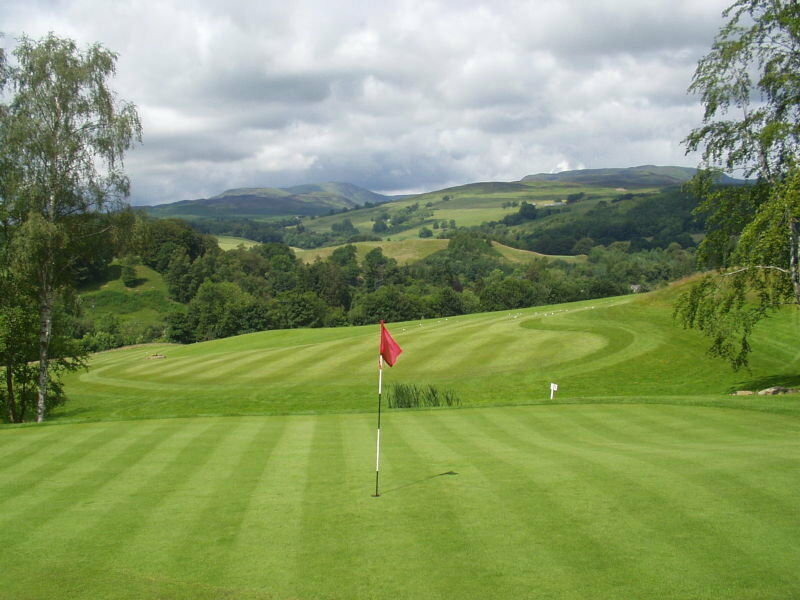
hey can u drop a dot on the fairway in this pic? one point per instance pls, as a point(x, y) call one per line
point(244, 467)
point(616, 349)
point(582, 501)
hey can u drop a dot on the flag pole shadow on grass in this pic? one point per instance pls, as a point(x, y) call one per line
point(418, 481)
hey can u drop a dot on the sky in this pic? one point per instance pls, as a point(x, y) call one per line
point(396, 96)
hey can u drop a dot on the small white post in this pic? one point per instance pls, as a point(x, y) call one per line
point(553, 389)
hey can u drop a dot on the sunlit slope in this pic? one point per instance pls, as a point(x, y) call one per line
point(614, 349)
point(412, 250)
point(404, 252)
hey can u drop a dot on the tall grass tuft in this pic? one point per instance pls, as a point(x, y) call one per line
point(408, 395)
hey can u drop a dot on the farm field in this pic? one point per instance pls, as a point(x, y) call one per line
point(411, 250)
point(403, 252)
point(244, 467)
point(473, 204)
point(229, 242)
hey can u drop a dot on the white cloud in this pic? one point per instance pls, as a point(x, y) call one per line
point(398, 95)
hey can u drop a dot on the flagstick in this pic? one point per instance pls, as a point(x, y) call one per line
point(378, 448)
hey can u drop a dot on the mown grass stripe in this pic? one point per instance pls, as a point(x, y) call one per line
point(729, 474)
point(74, 486)
point(264, 554)
point(154, 478)
point(205, 534)
point(20, 446)
point(21, 479)
point(429, 548)
point(180, 368)
point(704, 537)
point(603, 505)
point(326, 507)
point(537, 553)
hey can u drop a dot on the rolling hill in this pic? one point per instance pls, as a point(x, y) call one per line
point(410, 250)
point(632, 177)
point(312, 199)
point(613, 348)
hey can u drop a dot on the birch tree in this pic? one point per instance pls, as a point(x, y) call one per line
point(749, 84)
point(64, 134)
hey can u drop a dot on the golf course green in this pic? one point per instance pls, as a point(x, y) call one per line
point(244, 467)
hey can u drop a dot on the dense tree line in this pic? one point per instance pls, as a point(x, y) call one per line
point(266, 287)
point(652, 221)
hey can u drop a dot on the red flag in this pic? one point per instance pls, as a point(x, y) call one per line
point(390, 350)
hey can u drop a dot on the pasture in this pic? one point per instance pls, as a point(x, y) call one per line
point(229, 242)
point(244, 467)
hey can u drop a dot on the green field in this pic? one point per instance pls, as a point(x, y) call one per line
point(229, 242)
point(144, 304)
point(473, 204)
point(412, 250)
point(404, 252)
point(244, 467)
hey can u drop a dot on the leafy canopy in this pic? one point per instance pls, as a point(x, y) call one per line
point(749, 84)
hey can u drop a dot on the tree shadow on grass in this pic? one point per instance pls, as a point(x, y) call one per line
point(761, 383)
point(67, 412)
point(113, 272)
point(417, 482)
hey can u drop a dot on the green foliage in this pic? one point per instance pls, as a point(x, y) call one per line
point(749, 84)
point(223, 309)
point(750, 87)
point(289, 310)
point(63, 135)
point(388, 303)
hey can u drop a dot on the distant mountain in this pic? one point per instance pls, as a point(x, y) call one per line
point(632, 177)
point(311, 199)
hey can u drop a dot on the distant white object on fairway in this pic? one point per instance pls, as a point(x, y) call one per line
point(553, 389)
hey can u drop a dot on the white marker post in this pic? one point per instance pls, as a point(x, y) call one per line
point(553, 389)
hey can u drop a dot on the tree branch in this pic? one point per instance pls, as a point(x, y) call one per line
point(781, 269)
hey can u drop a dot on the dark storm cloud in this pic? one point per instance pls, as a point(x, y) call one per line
point(406, 94)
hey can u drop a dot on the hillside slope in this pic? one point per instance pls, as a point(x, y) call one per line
point(632, 177)
point(312, 199)
point(616, 349)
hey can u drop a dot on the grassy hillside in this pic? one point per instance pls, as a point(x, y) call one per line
point(644, 479)
point(144, 304)
point(601, 350)
point(229, 242)
point(412, 250)
point(310, 199)
point(404, 252)
point(469, 205)
point(633, 177)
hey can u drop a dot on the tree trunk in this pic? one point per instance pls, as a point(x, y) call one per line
point(794, 257)
point(11, 405)
point(45, 331)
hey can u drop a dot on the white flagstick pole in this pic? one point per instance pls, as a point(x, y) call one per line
point(378, 445)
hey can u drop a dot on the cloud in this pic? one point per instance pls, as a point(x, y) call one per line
point(397, 95)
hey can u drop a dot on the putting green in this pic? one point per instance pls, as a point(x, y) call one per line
point(573, 501)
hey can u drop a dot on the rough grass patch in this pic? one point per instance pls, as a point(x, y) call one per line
point(408, 395)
